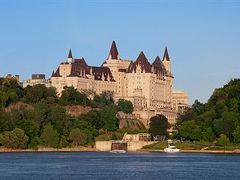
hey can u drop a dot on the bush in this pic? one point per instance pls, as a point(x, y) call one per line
point(158, 125)
point(125, 106)
point(223, 140)
point(16, 139)
point(77, 137)
point(49, 137)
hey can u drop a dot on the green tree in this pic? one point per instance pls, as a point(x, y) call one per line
point(207, 134)
point(108, 116)
point(49, 137)
point(190, 130)
point(70, 95)
point(236, 134)
point(58, 118)
point(4, 122)
point(104, 99)
point(125, 106)
point(31, 128)
point(93, 118)
point(37, 93)
point(16, 139)
point(63, 142)
point(35, 141)
point(223, 140)
point(158, 125)
point(226, 124)
point(77, 137)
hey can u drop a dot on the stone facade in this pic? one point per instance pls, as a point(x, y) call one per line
point(37, 79)
point(147, 85)
point(179, 101)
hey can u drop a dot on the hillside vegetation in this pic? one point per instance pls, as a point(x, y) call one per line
point(217, 120)
point(36, 117)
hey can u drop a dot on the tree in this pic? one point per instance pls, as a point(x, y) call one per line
point(125, 106)
point(190, 130)
point(222, 140)
point(108, 116)
point(158, 125)
point(31, 128)
point(77, 137)
point(35, 141)
point(36, 93)
point(236, 134)
point(49, 137)
point(63, 142)
point(104, 99)
point(70, 95)
point(93, 118)
point(15, 139)
point(58, 118)
point(207, 134)
point(226, 124)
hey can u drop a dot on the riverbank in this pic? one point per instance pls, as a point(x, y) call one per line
point(73, 149)
point(87, 149)
point(236, 151)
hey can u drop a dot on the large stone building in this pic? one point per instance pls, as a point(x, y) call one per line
point(147, 85)
point(37, 79)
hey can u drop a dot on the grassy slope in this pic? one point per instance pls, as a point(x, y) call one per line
point(192, 146)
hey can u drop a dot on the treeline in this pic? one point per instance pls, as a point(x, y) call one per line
point(44, 122)
point(218, 119)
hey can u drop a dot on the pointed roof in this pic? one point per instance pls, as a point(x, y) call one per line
point(113, 51)
point(142, 61)
point(166, 56)
point(70, 54)
point(157, 61)
point(158, 65)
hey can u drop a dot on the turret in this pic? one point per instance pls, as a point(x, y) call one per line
point(70, 57)
point(113, 53)
point(166, 61)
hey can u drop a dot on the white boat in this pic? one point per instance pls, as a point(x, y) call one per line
point(171, 148)
point(118, 151)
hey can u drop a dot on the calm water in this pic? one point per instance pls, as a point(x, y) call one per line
point(108, 166)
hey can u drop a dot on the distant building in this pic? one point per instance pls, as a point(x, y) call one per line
point(137, 137)
point(10, 76)
point(147, 85)
point(37, 79)
point(179, 101)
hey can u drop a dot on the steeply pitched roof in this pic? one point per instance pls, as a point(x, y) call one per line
point(57, 73)
point(143, 62)
point(102, 73)
point(113, 51)
point(78, 67)
point(70, 54)
point(158, 65)
point(166, 56)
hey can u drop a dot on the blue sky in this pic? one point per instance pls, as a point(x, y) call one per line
point(203, 37)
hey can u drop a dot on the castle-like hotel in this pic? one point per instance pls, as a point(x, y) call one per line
point(147, 85)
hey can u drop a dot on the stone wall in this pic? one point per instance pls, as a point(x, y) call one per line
point(131, 145)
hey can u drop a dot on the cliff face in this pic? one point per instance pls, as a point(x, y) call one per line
point(129, 121)
point(18, 106)
point(77, 110)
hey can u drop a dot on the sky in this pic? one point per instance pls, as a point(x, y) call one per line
point(203, 37)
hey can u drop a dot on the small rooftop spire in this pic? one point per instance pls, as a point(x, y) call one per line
point(70, 54)
point(113, 51)
point(166, 56)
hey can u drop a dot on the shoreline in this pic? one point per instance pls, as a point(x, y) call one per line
point(89, 149)
point(236, 151)
point(73, 149)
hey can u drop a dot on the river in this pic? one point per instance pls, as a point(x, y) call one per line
point(108, 166)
